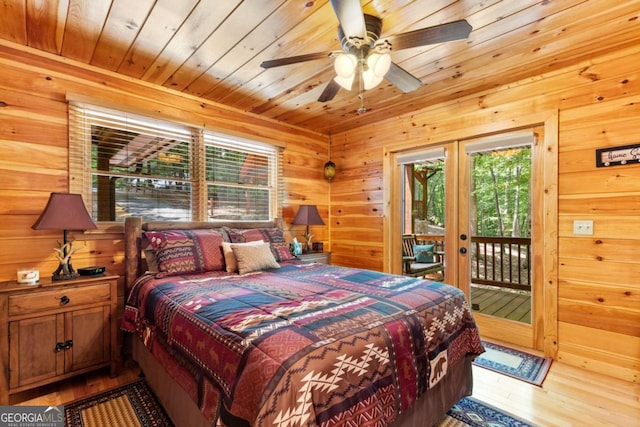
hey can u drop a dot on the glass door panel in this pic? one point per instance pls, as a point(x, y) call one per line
point(424, 204)
point(500, 232)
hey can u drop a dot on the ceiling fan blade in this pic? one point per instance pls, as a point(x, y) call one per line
point(294, 59)
point(351, 18)
point(456, 30)
point(401, 78)
point(329, 91)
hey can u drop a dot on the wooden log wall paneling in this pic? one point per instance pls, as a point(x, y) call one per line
point(599, 106)
point(34, 160)
point(598, 103)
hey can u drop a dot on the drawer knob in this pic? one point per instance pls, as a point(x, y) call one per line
point(59, 347)
point(68, 344)
point(64, 300)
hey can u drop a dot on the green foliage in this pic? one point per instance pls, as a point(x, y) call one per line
point(435, 205)
point(500, 191)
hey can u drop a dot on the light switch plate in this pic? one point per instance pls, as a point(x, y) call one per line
point(583, 227)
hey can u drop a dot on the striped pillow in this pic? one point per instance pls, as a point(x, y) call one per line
point(188, 251)
point(273, 236)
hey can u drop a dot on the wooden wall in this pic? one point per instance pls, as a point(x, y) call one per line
point(598, 276)
point(34, 159)
point(598, 104)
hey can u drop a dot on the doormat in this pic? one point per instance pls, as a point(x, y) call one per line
point(514, 363)
point(472, 412)
point(131, 405)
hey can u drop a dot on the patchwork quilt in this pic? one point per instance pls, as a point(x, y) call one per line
point(305, 344)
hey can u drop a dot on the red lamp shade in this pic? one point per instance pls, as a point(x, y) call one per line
point(307, 215)
point(65, 211)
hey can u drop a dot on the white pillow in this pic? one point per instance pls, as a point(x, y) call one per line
point(230, 259)
point(253, 257)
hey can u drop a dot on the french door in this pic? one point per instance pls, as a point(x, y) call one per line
point(499, 230)
point(490, 227)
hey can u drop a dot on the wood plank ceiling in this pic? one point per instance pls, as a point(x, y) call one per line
point(213, 49)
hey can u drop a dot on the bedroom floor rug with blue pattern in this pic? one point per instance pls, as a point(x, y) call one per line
point(514, 363)
point(472, 412)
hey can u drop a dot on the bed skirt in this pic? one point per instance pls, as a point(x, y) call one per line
point(428, 411)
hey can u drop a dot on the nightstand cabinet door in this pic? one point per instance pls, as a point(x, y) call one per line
point(89, 336)
point(32, 343)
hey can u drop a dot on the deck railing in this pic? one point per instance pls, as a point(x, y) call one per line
point(501, 261)
point(497, 261)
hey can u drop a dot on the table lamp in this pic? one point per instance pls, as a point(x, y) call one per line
point(307, 215)
point(64, 211)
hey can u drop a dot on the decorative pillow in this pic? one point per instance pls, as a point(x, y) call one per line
point(241, 235)
point(423, 253)
point(230, 259)
point(152, 262)
point(281, 252)
point(274, 236)
point(253, 257)
point(187, 251)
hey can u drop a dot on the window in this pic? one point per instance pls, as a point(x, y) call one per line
point(126, 164)
point(241, 177)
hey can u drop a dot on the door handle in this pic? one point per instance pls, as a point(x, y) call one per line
point(463, 250)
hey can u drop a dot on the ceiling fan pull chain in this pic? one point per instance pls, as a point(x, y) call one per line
point(362, 108)
point(361, 65)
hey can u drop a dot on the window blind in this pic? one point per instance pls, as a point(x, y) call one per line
point(131, 164)
point(499, 142)
point(422, 156)
point(128, 164)
point(242, 178)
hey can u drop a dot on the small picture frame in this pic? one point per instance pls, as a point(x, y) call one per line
point(317, 247)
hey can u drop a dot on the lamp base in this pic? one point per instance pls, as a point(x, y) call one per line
point(62, 276)
point(64, 272)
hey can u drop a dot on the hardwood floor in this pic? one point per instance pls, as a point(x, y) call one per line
point(75, 388)
point(569, 396)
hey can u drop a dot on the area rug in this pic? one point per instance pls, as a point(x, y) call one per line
point(514, 363)
point(130, 405)
point(472, 412)
point(134, 405)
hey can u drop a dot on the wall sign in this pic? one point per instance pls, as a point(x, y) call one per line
point(616, 156)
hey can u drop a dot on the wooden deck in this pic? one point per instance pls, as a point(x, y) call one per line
point(503, 303)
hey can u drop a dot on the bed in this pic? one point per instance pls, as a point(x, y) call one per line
point(291, 343)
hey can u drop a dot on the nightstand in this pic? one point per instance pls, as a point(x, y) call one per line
point(55, 330)
point(321, 257)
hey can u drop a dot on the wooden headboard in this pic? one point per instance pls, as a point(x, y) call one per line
point(135, 262)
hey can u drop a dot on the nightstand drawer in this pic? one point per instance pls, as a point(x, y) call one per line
point(320, 257)
point(36, 302)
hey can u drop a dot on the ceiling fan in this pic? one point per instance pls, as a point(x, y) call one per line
point(365, 56)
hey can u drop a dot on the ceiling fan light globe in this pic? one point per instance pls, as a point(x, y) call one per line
point(345, 65)
point(345, 82)
point(379, 63)
point(370, 80)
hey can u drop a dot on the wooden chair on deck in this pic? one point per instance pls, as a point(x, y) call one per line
point(414, 266)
